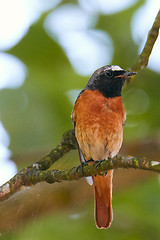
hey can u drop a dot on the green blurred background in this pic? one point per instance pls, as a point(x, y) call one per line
point(37, 113)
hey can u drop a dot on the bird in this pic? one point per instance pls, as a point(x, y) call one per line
point(99, 116)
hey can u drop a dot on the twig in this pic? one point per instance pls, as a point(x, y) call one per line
point(33, 176)
point(143, 58)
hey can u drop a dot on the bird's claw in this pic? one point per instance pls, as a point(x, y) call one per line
point(81, 167)
point(84, 164)
point(98, 163)
point(104, 175)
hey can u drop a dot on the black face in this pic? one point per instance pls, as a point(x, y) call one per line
point(108, 80)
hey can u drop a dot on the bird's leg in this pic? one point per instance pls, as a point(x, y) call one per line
point(81, 167)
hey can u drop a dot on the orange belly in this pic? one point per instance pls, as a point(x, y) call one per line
point(98, 124)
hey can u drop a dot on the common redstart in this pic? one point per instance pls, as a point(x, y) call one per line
point(99, 117)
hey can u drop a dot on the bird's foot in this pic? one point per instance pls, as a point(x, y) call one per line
point(99, 162)
point(86, 163)
point(105, 174)
point(90, 161)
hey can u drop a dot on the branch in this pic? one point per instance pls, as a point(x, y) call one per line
point(31, 176)
point(27, 176)
point(39, 172)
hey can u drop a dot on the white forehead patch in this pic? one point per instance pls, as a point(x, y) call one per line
point(116, 68)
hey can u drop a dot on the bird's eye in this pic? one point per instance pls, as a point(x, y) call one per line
point(109, 73)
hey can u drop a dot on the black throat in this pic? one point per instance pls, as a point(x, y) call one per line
point(110, 88)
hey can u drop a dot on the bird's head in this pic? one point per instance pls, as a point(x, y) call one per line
point(108, 80)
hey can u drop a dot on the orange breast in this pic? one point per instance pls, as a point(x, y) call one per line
point(98, 124)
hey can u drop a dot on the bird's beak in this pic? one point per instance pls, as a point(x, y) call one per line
point(129, 74)
point(126, 75)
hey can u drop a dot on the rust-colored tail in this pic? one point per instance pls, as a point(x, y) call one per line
point(103, 200)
